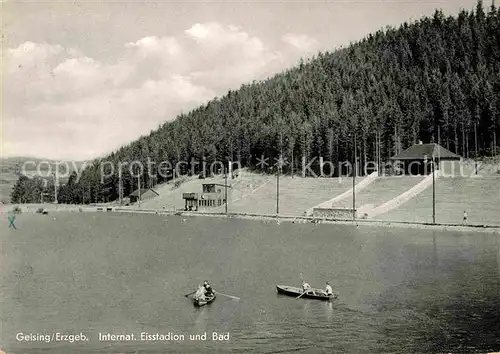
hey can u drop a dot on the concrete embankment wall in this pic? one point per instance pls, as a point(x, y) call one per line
point(334, 213)
point(34, 208)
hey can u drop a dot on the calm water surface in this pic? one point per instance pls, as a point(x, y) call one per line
point(401, 290)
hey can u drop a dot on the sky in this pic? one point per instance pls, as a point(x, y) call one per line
point(82, 78)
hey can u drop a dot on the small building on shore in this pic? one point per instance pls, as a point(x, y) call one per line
point(417, 160)
point(212, 195)
point(145, 193)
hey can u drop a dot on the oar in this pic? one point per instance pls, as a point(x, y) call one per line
point(301, 295)
point(302, 280)
point(192, 292)
point(232, 297)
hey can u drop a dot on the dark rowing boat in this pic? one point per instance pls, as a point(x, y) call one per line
point(199, 302)
point(295, 292)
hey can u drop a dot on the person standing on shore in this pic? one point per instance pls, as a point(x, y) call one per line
point(12, 218)
point(464, 221)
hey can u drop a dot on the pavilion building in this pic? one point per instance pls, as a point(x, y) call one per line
point(417, 160)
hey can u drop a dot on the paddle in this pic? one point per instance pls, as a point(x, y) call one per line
point(301, 295)
point(232, 297)
point(192, 292)
point(302, 280)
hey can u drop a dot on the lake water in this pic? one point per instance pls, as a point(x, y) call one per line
point(401, 290)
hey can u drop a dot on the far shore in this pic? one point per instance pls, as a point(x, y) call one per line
point(34, 208)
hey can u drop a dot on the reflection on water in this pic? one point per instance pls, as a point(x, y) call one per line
point(454, 310)
point(202, 316)
point(329, 310)
point(400, 290)
point(498, 253)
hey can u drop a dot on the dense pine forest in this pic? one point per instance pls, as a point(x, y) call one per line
point(435, 80)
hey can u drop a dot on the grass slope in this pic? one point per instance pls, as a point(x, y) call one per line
point(296, 195)
point(479, 196)
point(380, 191)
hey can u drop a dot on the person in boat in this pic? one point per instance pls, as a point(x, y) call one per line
point(200, 293)
point(306, 288)
point(328, 290)
point(208, 289)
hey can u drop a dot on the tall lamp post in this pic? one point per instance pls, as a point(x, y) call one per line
point(278, 171)
point(433, 191)
point(139, 187)
point(475, 147)
point(291, 142)
point(120, 187)
point(55, 188)
point(354, 180)
point(225, 184)
point(278, 187)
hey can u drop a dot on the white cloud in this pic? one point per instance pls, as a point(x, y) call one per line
point(29, 56)
point(199, 31)
point(156, 46)
point(217, 37)
point(60, 103)
point(78, 67)
point(301, 42)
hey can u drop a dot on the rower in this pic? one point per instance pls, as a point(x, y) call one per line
point(200, 293)
point(307, 288)
point(328, 290)
point(208, 288)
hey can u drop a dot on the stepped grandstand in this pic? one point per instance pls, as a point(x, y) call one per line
point(407, 196)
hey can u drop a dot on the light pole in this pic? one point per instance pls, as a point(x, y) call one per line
point(433, 191)
point(278, 176)
point(278, 187)
point(139, 185)
point(55, 188)
point(475, 146)
point(225, 185)
point(120, 187)
point(354, 181)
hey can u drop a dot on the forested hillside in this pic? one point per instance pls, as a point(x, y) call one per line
point(12, 168)
point(434, 80)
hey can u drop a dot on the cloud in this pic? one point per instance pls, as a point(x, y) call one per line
point(301, 42)
point(216, 37)
point(227, 56)
point(156, 46)
point(61, 103)
point(32, 56)
point(199, 31)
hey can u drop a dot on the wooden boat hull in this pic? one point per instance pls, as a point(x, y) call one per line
point(199, 302)
point(295, 292)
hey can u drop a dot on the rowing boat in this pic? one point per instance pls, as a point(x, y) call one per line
point(294, 291)
point(203, 301)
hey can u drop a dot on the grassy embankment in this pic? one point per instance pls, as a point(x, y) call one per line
point(255, 194)
point(479, 196)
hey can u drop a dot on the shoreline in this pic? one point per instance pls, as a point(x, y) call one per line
point(32, 209)
point(493, 229)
